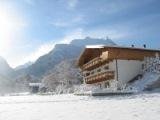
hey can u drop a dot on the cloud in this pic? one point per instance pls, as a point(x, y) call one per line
point(30, 2)
point(72, 4)
point(41, 50)
point(117, 6)
point(111, 33)
point(60, 24)
point(75, 34)
point(79, 19)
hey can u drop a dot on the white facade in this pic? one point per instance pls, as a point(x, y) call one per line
point(125, 70)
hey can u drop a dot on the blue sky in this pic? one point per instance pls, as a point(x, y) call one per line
point(31, 28)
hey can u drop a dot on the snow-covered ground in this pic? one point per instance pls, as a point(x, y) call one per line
point(70, 107)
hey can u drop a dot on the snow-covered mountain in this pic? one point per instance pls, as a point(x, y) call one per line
point(92, 41)
point(62, 52)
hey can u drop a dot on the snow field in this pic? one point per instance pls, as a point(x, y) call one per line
point(70, 107)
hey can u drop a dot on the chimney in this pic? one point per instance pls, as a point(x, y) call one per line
point(144, 45)
point(132, 45)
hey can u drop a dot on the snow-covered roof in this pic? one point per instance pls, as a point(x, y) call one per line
point(123, 47)
point(35, 84)
point(95, 46)
point(134, 48)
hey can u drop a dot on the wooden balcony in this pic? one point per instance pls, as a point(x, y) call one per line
point(96, 62)
point(108, 75)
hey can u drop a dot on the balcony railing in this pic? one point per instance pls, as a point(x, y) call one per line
point(108, 75)
point(93, 63)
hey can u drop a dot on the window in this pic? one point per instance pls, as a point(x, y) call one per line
point(92, 72)
point(100, 85)
point(106, 67)
point(106, 84)
point(87, 74)
point(99, 70)
point(143, 66)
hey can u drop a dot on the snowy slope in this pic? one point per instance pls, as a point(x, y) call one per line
point(151, 73)
point(148, 79)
